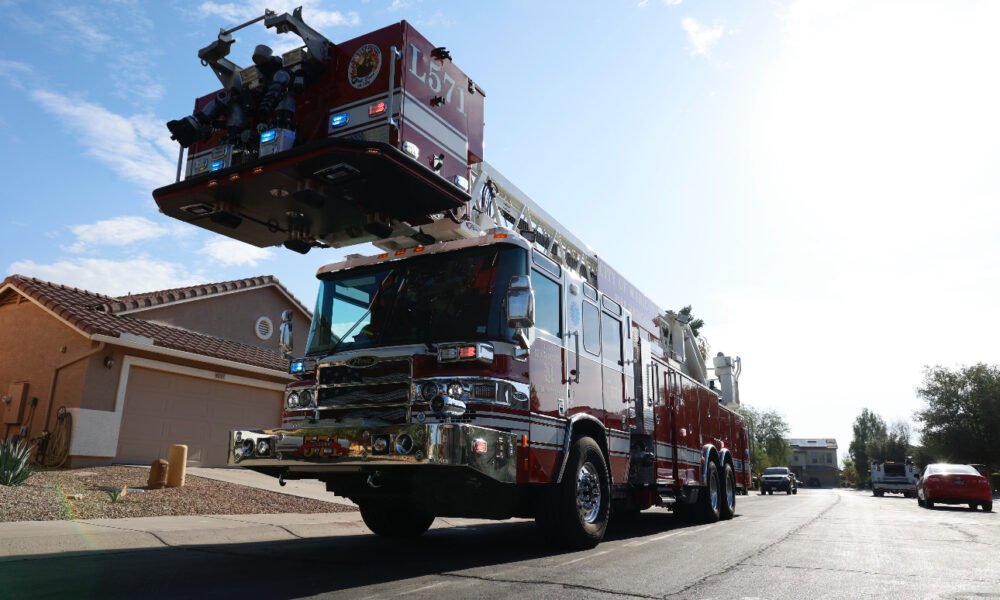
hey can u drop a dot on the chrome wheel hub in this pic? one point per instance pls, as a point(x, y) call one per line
point(713, 491)
point(588, 493)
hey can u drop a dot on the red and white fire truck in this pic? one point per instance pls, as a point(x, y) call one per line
point(486, 363)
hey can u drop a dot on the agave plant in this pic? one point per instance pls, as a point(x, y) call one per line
point(14, 467)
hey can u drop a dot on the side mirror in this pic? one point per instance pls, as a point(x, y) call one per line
point(520, 303)
point(285, 334)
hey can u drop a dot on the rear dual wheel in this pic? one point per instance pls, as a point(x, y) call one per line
point(728, 507)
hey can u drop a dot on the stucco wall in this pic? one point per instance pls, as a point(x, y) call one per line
point(232, 316)
point(33, 343)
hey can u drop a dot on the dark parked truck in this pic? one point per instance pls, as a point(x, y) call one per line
point(486, 363)
point(779, 479)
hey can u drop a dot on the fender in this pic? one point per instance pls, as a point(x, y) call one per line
point(706, 455)
point(724, 457)
point(568, 438)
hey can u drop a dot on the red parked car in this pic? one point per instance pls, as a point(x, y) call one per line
point(953, 484)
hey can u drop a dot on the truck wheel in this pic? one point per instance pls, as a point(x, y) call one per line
point(929, 504)
point(577, 509)
point(728, 507)
point(920, 502)
point(394, 519)
point(988, 506)
point(709, 498)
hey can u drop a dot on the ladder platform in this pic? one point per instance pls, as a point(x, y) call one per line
point(337, 192)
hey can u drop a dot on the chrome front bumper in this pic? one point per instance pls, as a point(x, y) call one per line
point(320, 449)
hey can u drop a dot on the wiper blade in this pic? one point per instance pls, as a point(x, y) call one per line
point(368, 311)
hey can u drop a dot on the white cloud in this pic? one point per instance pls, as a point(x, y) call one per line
point(15, 73)
point(398, 5)
point(81, 22)
point(111, 277)
point(700, 37)
point(312, 14)
point(138, 147)
point(672, 2)
point(119, 231)
point(231, 253)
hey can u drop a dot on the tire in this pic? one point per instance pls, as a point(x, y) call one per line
point(920, 502)
point(729, 491)
point(795, 491)
point(988, 506)
point(929, 504)
point(577, 510)
point(394, 519)
point(973, 506)
point(709, 497)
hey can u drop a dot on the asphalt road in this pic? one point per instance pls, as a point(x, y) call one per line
point(817, 544)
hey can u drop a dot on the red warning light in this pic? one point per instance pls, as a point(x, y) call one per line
point(376, 109)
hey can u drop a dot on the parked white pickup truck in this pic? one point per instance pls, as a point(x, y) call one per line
point(894, 478)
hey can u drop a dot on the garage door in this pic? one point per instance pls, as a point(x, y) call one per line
point(162, 409)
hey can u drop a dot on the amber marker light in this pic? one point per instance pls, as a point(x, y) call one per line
point(383, 255)
point(499, 236)
point(234, 177)
point(524, 441)
point(418, 249)
point(399, 252)
point(213, 183)
point(258, 170)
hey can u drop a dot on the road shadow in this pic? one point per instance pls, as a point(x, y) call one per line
point(293, 568)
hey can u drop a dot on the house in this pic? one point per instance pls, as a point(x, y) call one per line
point(141, 372)
point(815, 460)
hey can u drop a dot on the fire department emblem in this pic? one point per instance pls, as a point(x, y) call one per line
point(364, 66)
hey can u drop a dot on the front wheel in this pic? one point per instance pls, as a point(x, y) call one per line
point(394, 519)
point(988, 506)
point(728, 508)
point(577, 510)
point(928, 503)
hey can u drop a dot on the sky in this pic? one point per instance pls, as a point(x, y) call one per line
point(816, 177)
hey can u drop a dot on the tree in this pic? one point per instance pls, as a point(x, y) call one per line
point(961, 422)
point(696, 324)
point(768, 446)
point(849, 473)
point(869, 441)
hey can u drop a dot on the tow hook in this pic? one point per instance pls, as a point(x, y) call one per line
point(281, 479)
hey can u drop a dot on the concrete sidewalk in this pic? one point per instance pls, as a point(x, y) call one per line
point(33, 539)
point(303, 488)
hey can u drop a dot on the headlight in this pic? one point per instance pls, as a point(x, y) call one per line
point(293, 400)
point(429, 390)
point(305, 398)
point(455, 390)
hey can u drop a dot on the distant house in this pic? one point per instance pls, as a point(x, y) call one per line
point(815, 460)
point(141, 372)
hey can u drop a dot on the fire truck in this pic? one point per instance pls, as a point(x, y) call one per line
point(485, 362)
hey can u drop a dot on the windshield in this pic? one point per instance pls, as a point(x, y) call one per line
point(454, 296)
point(951, 470)
point(776, 471)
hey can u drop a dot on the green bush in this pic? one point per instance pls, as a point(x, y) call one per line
point(14, 468)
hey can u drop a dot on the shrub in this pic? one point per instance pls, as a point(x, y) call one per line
point(14, 468)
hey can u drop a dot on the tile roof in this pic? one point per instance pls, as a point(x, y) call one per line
point(131, 302)
point(88, 312)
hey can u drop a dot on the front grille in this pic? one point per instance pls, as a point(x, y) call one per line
point(385, 371)
point(376, 393)
point(338, 397)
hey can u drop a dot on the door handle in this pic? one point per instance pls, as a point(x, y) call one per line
point(576, 372)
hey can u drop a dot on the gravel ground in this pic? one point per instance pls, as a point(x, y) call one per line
point(68, 494)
